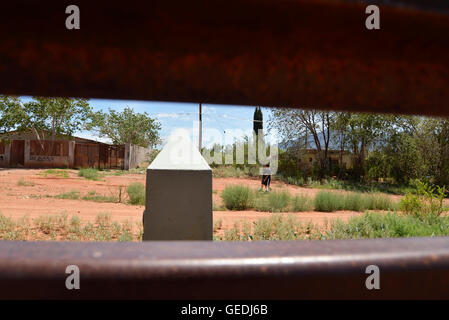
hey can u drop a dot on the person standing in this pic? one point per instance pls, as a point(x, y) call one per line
point(266, 177)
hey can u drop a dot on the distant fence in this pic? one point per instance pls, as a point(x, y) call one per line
point(100, 156)
point(112, 157)
point(135, 156)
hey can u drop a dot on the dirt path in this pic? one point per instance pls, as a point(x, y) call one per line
point(36, 199)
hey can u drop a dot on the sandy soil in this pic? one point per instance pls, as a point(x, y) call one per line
point(36, 200)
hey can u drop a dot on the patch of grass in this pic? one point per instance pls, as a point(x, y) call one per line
point(93, 196)
point(378, 201)
point(72, 195)
point(14, 230)
point(23, 183)
point(111, 172)
point(366, 226)
point(327, 201)
point(371, 187)
point(60, 227)
point(276, 227)
point(237, 197)
point(275, 201)
point(391, 225)
point(89, 174)
point(302, 203)
point(136, 193)
point(59, 173)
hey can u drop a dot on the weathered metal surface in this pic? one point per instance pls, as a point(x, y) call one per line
point(112, 156)
point(298, 53)
point(87, 155)
point(17, 153)
point(409, 269)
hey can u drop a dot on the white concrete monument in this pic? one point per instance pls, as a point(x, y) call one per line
point(178, 194)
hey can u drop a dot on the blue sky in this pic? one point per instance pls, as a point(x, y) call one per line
point(220, 122)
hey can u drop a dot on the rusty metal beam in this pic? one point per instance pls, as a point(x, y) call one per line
point(297, 53)
point(409, 269)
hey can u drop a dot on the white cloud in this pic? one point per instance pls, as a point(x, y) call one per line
point(167, 115)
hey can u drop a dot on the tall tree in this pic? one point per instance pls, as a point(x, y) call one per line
point(296, 125)
point(47, 118)
point(257, 120)
point(127, 127)
point(340, 136)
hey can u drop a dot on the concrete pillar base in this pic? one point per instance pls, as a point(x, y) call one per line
point(178, 194)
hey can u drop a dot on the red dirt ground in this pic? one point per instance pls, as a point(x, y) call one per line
point(17, 201)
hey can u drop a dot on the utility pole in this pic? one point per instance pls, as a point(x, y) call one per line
point(200, 133)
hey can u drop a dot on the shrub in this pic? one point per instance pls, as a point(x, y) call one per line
point(263, 229)
point(136, 193)
point(276, 201)
point(391, 225)
point(22, 182)
point(55, 172)
point(327, 201)
point(299, 181)
point(302, 203)
point(237, 197)
point(233, 234)
point(354, 202)
point(333, 184)
point(426, 202)
point(279, 200)
point(376, 201)
point(89, 174)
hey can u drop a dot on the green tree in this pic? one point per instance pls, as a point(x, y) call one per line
point(47, 118)
point(365, 132)
point(340, 136)
point(404, 160)
point(433, 142)
point(126, 127)
point(300, 128)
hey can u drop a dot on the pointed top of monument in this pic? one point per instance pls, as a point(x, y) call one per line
point(179, 154)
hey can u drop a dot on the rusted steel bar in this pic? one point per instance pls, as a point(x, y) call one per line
point(297, 53)
point(409, 269)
